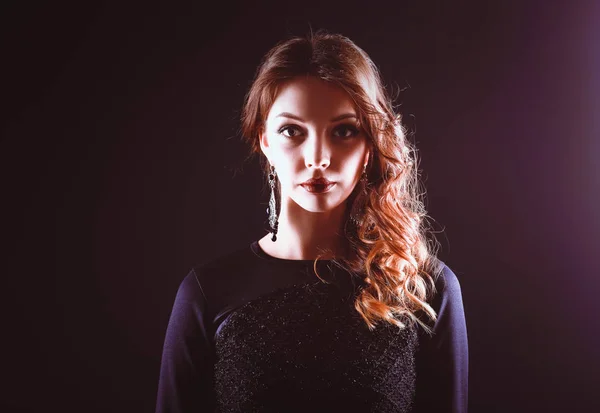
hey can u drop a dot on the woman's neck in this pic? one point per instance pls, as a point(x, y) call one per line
point(304, 235)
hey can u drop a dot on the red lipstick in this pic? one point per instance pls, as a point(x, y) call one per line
point(318, 185)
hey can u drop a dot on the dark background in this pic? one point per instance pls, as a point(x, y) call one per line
point(122, 167)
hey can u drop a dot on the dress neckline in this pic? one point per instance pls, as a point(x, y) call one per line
point(258, 251)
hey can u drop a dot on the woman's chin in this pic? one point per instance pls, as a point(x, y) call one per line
point(318, 205)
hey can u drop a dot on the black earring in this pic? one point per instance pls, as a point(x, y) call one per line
point(272, 209)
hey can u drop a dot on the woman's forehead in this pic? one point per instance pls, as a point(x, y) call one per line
point(311, 99)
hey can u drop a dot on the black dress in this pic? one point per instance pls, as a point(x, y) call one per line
point(254, 333)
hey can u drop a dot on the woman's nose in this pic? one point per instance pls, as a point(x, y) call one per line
point(317, 153)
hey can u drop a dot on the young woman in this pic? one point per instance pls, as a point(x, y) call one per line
point(343, 305)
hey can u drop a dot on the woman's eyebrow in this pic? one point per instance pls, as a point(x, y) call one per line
point(339, 117)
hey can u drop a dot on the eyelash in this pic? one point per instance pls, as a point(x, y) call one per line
point(354, 131)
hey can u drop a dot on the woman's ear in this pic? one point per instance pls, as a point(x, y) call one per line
point(367, 155)
point(264, 143)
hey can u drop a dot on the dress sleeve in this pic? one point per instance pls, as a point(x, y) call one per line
point(186, 378)
point(442, 361)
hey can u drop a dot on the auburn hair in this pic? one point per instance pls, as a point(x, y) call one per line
point(391, 252)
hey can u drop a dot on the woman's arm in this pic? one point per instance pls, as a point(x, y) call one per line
point(186, 378)
point(443, 359)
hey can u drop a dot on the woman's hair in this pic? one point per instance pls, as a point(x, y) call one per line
point(391, 253)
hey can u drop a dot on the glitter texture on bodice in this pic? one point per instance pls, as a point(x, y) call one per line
point(304, 348)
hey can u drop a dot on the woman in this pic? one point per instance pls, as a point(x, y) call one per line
point(343, 305)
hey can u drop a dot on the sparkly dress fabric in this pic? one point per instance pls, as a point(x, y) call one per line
point(253, 333)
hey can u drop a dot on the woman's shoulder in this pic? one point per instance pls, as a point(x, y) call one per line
point(446, 298)
point(229, 277)
point(224, 268)
point(446, 281)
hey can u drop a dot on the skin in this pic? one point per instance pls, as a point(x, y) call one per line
point(312, 224)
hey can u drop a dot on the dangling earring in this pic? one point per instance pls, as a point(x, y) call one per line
point(272, 209)
point(357, 206)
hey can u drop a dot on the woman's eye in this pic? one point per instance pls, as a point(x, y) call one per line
point(347, 131)
point(343, 131)
point(289, 128)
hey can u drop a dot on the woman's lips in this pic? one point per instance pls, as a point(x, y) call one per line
point(318, 188)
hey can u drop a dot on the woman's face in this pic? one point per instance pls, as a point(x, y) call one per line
point(311, 132)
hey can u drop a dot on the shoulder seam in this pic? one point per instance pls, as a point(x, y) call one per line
point(199, 285)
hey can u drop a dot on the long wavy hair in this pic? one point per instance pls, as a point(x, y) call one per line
point(391, 252)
